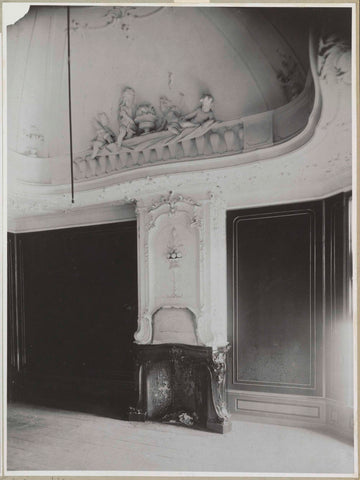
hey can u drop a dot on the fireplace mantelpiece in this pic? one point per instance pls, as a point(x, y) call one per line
point(181, 384)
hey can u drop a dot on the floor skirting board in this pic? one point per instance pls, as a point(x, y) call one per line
point(293, 410)
point(340, 418)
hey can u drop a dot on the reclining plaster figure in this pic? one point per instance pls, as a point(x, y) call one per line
point(202, 115)
point(104, 134)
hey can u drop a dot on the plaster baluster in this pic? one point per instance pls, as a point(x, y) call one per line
point(200, 144)
point(229, 137)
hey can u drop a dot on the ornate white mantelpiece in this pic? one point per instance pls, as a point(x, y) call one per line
point(181, 262)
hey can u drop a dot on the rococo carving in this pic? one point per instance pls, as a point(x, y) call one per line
point(146, 135)
point(173, 256)
point(139, 120)
point(218, 373)
point(153, 215)
point(219, 363)
point(290, 76)
point(334, 58)
point(171, 199)
point(174, 253)
point(35, 142)
point(144, 331)
point(127, 127)
point(104, 135)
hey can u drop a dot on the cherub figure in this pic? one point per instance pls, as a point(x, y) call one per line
point(202, 115)
point(104, 134)
point(170, 116)
point(127, 127)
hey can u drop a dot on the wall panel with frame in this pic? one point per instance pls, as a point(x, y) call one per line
point(290, 316)
point(72, 316)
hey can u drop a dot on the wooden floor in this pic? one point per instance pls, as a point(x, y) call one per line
point(56, 440)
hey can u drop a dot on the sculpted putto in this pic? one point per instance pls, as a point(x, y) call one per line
point(202, 115)
point(142, 119)
point(104, 134)
point(170, 116)
point(127, 127)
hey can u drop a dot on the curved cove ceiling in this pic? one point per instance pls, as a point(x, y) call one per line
point(236, 54)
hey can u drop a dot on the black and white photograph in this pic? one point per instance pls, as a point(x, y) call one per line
point(180, 292)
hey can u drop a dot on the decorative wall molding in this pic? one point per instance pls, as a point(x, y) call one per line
point(293, 410)
point(248, 373)
point(340, 418)
point(78, 217)
point(282, 409)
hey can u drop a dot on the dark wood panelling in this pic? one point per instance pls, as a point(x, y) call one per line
point(75, 316)
point(338, 300)
point(11, 307)
point(275, 298)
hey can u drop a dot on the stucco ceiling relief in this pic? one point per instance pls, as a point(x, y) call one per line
point(145, 135)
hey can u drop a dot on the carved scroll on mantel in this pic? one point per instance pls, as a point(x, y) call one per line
point(217, 368)
point(181, 259)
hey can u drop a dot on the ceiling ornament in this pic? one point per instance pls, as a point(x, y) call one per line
point(35, 142)
point(334, 58)
point(290, 76)
point(145, 134)
point(114, 16)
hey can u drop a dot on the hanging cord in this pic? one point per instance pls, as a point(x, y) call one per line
point(70, 116)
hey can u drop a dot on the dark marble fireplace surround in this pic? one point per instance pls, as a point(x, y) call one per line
point(181, 384)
